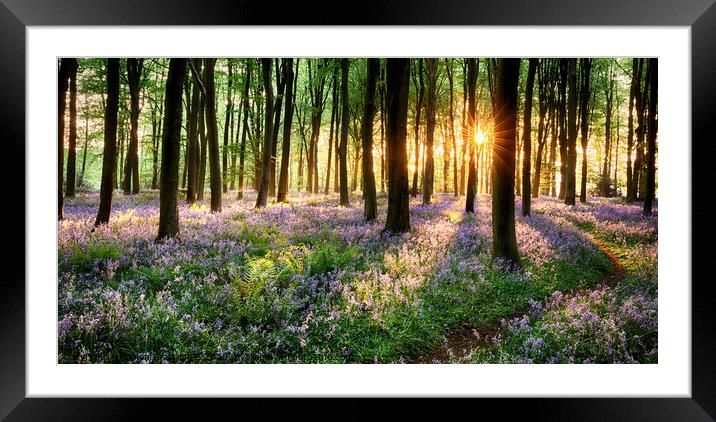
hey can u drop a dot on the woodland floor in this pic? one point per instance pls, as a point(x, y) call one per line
point(311, 282)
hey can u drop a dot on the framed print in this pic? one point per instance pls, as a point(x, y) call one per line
point(220, 230)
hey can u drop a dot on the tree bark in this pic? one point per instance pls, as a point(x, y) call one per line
point(397, 77)
point(131, 169)
point(169, 180)
point(343, 148)
point(429, 172)
point(584, 120)
point(418, 108)
point(570, 185)
point(245, 128)
point(527, 139)
point(227, 122)
point(288, 119)
point(62, 84)
point(212, 136)
point(504, 238)
point(370, 209)
point(268, 131)
point(192, 147)
point(472, 69)
point(651, 138)
point(110, 143)
point(72, 147)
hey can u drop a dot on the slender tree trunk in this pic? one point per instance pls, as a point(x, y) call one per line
point(504, 238)
point(192, 147)
point(397, 78)
point(62, 84)
point(472, 70)
point(202, 148)
point(169, 180)
point(633, 93)
point(288, 118)
point(429, 173)
point(72, 150)
point(370, 209)
point(131, 169)
point(527, 139)
point(570, 185)
point(418, 108)
point(110, 143)
point(334, 108)
point(343, 149)
point(584, 108)
point(562, 117)
point(281, 88)
point(212, 136)
point(268, 130)
point(227, 122)
point(84, 148)
point(245, 128)
point(651, 138)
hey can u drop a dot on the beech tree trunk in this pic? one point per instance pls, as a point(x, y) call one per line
point(268, 135)
point(343, 148)
point(131, 169)
point(651, 138)
point(370, 208)
point(72, 147)
point(245, 128)
point(110, 143)
point(212, 136)
point(570, 184)
point(504, 238)
point(227, 122)
point(286, 143)
point(169, 179)
point(472, 69)
point(527, 139)
point(62, 83)
point(418, 108)
point(192, 147)
point(397, 78)
point(429, 172)
point(584, 120)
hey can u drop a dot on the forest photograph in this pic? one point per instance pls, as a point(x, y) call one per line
point(304, 210)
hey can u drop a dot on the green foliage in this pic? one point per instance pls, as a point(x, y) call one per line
point(84, 257)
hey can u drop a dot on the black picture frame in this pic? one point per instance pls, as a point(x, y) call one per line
point(15, 15)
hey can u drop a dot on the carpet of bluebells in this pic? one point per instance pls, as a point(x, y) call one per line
point(311, 282)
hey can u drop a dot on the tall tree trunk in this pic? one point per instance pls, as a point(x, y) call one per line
point(62, 84)
point(286, 145)
point(192, 147)
point(72, 147)
point(634, 94)
point(84, 148)
point(370, 209)
point(110, 143)
point(281, 87)
point(212, 136)
point(169, 180)
point(331, 133)
point(418, 107)
point(343, 149)
point(131, 169)
point(451, 116)
point(429, 173)
point(472, 70)
point(397, 78)
point(604, 187)
point(504, 238)
point(268, 135)
point(245, 128)
point(562, 117)
point(570, 185)
point(227, 122)
point(584, 108)
point(527, 139)
point(202, 147)
point(651, 138)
